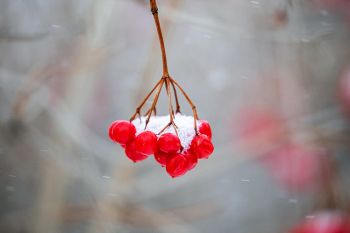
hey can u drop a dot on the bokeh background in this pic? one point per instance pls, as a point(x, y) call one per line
point(272, 77)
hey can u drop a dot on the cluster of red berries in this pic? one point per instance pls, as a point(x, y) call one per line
point(166, 147)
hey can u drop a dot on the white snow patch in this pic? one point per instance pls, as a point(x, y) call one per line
point(184, 123)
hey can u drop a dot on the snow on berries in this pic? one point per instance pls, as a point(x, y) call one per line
point(176, 141)
point(176, 150)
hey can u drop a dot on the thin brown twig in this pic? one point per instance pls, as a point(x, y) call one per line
point(194, 110)
point(154, 10)
point(154, 102)
point(138, 109)
point(171, 109)
point(178, 108)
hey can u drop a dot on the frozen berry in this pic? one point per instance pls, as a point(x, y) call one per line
point(132, 154)
point(122, 132)
point(146, 143)
point(202, 146)
point(204, 128)
point(192, 159)
point(169, 143)
point(177, 165)
point(161, 157)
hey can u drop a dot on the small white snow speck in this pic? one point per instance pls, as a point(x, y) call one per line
point(56, 26)
point(255, 4)
point(310, 217)
point(245, 180)
point(293, 200)
point(106, 177)
point(305, 40)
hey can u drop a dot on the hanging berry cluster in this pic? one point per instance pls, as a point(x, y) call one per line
point(176, 141)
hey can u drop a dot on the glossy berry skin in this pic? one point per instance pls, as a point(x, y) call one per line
point(169, 143)
point(161, 157)
point(146, 143)
point(204, 128)
point(110, 131)
point(131, 153)
point(122, 132)
point(192, 159)
point(202, 147)
point(177, 165)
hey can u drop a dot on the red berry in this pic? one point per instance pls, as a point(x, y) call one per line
point(169, 143)
point(111, 127)
point(146, 143)
point(177, 165)
point(161, 157)
point(192, 159)
point(132, 154)
point(204, 128)
point(202, 146)
point(122, 132)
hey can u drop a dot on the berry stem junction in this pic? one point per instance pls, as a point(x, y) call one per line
point(170, 84)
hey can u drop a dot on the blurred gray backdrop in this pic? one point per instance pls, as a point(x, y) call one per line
point(70, 68)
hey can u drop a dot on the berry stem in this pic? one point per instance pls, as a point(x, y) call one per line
point(155, 101)
point(169, 82)
point(171, 109)
point(194, 110)
point(138, 109)
point(154, 10)
point(178, 110)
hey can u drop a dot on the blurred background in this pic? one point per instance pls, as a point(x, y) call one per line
point(272, 77)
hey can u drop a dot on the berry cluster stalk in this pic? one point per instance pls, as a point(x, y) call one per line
point(170, 84)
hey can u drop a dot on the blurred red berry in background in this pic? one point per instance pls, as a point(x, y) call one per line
point(258, 130)
point(344, 90)
point(325, 222)
point(295, 166)
point(332, 4)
